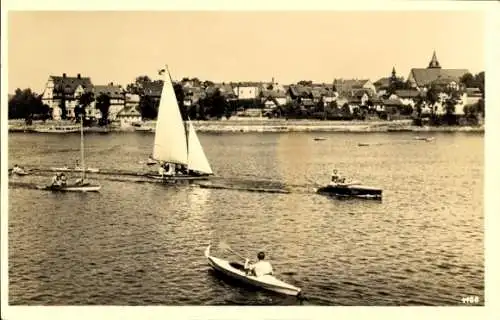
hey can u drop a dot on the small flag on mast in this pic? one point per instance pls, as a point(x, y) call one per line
point(161, 71)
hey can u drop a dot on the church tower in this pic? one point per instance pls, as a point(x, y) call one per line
point(434, 64)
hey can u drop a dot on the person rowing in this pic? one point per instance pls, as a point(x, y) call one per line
point(261, 267)
point(18, 170)
point(57, 180)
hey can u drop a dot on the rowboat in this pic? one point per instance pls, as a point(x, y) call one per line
point(351, 190)
point(236, 271)
point(72, 188)
point(19, 172)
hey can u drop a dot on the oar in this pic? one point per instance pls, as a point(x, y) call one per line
point(225, 246)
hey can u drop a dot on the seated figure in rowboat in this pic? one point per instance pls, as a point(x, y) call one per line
point(261, 267)
point(18, 170)
point(59, 180)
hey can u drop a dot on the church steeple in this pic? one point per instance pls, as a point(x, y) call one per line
point(434, 64)
point(393, 72)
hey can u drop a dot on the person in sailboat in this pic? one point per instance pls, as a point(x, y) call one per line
point(161, 170)
point(336, 178)
point(261, 267)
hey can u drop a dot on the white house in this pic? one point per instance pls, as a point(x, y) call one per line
point(128, 115)
point(247, 90)
point(67, 89)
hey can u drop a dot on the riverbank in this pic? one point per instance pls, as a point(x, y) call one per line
point(264, 125)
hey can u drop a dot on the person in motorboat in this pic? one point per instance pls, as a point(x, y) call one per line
point(261, 267)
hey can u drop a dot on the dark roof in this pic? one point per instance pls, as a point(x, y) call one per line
point(153, 88)
point(128, 111)
point(273, 94)
point(407, 93)
point(69, 84)
point(392, 102)
point(423, 77)
point(382, 83)
point(248, 84)
point(113, 91)
point(300, 91)
point(350, 83)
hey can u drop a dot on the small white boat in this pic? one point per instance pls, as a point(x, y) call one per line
point(18, 171)
point(427, 139)
point(319, 138)
point(72, 188)
point(235, 270)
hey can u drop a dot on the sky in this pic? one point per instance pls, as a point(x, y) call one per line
point(237, 46)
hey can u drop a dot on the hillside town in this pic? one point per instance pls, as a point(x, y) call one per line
point(432, 94)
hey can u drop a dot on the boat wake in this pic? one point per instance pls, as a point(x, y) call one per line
point(242, 184)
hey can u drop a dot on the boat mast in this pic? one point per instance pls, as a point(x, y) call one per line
point(81, 146)
point(185, 124)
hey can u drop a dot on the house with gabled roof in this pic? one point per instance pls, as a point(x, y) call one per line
point(67, 89)
point(247, 90)
point(345, 86)
point(129, 115)
point(116, 95)
point(421, 78)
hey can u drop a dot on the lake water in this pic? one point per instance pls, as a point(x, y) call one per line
point(142, 243)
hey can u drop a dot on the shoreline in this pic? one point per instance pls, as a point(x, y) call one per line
point(266, 126)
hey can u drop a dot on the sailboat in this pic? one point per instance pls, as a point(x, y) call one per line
point(82, 185)
point(176, 142)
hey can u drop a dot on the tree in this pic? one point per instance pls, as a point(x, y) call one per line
point(138, 86)
point(103, 102)
point(305, 82)
point(62, 105)
point(83, 102)
point(179, 94)
point(25, 104)
point(480, 81)
point(148, 107)
point(345, 110)
point(468, 80)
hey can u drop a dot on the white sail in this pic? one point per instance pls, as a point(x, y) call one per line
point(170, 144)
point(197, 160)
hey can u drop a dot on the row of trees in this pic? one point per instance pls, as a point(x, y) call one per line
point(28, 105)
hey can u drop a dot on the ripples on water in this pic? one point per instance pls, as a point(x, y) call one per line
point(142, 244)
